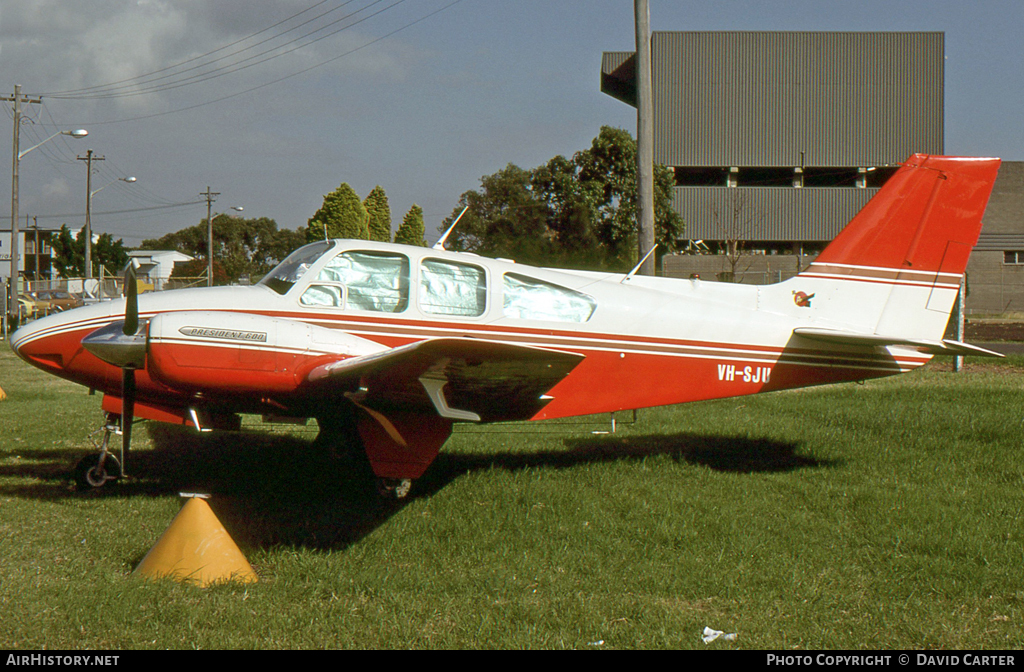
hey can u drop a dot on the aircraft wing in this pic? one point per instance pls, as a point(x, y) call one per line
point(932, 347)
point(459, 378)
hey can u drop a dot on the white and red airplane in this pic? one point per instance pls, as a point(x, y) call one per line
point(390, 345)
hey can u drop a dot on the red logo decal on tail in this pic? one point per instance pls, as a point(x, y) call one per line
point(802, 299)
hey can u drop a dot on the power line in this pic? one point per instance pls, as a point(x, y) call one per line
point(70, 215)
point(236, 66)
point(190, 60)
point(280, 79)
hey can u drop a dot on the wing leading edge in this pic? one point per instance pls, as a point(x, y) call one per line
point(460, 379)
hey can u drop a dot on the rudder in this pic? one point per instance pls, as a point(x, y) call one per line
point(930, 202)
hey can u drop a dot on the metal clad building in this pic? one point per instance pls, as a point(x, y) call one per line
point(995, 271)
point(791, 130)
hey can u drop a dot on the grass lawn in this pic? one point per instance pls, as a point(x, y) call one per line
point(883, 515)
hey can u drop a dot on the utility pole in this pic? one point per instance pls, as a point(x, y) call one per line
point(644, 138)
point(35, 225)
point(209, 195)
point(88, 158)
point(17, 99)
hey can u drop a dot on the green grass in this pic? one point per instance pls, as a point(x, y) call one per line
point(883, 515)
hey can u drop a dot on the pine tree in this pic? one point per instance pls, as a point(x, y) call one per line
point(376, 205)
point(411, 230)
point(342, 214)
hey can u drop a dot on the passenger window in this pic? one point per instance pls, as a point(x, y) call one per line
point(376, 281)
point(332, 295)
point(532, 299)
point(448, 288)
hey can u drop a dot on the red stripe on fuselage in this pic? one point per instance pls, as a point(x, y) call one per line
point(618, 372)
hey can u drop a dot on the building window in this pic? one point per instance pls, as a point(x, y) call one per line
point(830, 177)
point(765, 177)
point(1015, 257)
point(880, 175)
point(783, 176)
point(701, 176)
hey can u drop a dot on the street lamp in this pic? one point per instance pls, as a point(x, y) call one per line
point(17, 154)
point(80, 133)
point(88, 219)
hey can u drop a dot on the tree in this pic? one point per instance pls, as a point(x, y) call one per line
point(69, 254)
point(379, 212)
point(411, 230)
point(735, 227)
point(505, 218)
point(241, 247)
point(68, 257)
point(342, 215)
point(578, 212)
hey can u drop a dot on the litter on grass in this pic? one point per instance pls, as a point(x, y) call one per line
point(711, 635)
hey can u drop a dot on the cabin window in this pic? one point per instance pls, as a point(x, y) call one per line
point(362, 280)
point(448, 288)
point(287, 273)
point(323, 294)
point(532, 299)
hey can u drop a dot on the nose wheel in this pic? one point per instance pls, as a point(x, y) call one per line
point(96, 470)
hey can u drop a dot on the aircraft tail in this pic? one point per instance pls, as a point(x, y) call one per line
point(895, 270)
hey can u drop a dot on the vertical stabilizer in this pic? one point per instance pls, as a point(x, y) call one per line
point(910, 243)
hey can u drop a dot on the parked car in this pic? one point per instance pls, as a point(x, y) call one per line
point(58, 299)
point(31, 308)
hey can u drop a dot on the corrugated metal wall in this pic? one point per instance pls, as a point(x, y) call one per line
point(762, 98)
point(768, 214)
point(618, 75)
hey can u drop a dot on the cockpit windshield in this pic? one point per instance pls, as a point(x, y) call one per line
point(288, 272)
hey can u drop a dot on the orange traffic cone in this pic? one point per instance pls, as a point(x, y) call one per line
point(196, 549)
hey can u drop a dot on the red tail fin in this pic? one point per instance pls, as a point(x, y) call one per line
point(926, 218)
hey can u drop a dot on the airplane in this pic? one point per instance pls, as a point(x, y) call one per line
point(387, 346)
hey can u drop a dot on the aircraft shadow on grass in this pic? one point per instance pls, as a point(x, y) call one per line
point(271, 489)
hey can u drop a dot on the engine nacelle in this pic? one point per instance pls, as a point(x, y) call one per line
point(227, 352)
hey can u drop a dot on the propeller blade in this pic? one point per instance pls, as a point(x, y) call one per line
point(127, 407)
point(131, 310)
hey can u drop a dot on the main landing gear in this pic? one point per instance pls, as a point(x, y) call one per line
point(394, 488)
point(98, 469)
point(393, 450)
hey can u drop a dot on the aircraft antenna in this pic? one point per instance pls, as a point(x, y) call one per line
point(439, 245)
point(637, 267)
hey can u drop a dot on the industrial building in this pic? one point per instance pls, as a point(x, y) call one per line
point(777, 140)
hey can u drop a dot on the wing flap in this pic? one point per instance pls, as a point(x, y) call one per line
point(458, 378)
point(931, 347)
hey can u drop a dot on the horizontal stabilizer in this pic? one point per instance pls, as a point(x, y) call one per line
point(931, 347)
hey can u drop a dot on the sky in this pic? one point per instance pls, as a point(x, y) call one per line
point(274, 103)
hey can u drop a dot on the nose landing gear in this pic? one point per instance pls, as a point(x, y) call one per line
point(96, 470)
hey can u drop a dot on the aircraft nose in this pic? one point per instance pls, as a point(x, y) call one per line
point(45, 342)
point(21, 336)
